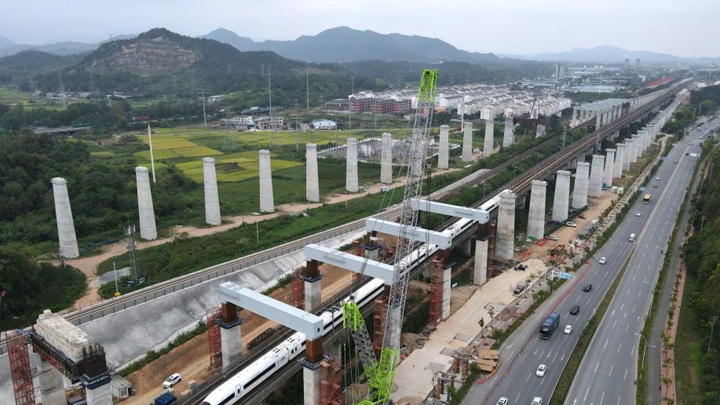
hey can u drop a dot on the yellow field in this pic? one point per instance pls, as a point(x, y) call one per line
point(178, 143)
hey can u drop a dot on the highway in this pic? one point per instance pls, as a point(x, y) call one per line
point(524, 351)
point(608, 376)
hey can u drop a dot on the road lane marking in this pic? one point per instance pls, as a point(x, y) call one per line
point(619, 346)
point(602, 397)
point(613, 313)
point(555, 358)
point(611, 369)
point(528, 379)
point(614, 324)
point(586, 392)
point(517, 398)
point(596, 367)
point(634, 307)
point(604, 347)
point(624, 378)
point(632, 350)
point(623, 305)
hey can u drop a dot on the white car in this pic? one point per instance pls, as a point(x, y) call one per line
point(571, 224)
point(541, 370)
point(502, 401)
point(172, 380)
point(553, 237)
point(638, 214)
point(536, 401)
point(568, 329)
point(602, 260)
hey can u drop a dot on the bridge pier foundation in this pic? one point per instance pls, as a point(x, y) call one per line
point(97, 392)
point(52, 389)
point(230, 334)
point(311, 372)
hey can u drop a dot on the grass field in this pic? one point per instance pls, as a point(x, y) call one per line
point(10, 96)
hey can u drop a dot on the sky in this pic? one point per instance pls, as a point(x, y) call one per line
point(687, 28)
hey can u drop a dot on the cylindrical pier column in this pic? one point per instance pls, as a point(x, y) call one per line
point(212, 199)
point(63, 216)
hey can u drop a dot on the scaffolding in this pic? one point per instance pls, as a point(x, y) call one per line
point(330, 381)
point(436, 291)
point(17, 344)
point(214, 338)
point(298, 288)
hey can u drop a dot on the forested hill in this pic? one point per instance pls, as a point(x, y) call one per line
point(344, 44)
point(163, 62)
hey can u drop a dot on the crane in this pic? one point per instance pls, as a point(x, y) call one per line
point(381, 372)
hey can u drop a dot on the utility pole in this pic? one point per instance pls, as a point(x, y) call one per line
point(2, 294)
point(307, 85)
point(202, 91)
point(712, 329)
point(270, 98)
point(131, 245)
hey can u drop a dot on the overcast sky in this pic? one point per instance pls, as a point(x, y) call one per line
point(683, 28)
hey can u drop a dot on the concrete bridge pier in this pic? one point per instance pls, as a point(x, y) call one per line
point(582, 183)
point(467, 142)
point(505, 241)
point(536, 216)
point(313, 287)
point(489, 137)
point(562, 196)
point(230, 334)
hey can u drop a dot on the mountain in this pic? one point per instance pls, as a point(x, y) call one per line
point(163, 62)
point(343, 44)
point(606, 54)
point(5, 42)
point(58, 48)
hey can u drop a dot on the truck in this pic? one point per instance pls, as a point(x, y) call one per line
point(166, 398)
point(549, 326)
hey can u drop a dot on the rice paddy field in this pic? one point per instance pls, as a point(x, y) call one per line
point(235, 153)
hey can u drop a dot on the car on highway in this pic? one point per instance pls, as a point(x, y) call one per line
point(602, 260)
point(655, 186)
point(540, 372)
point(575, 310)
point(172, 380)
point(587, 287)
point(657, 178)
point(638, 214)
point(571, 224)
point(502, 401)
point(520, 287)
point(536, 401)
point(568, 329)
point(553, 237)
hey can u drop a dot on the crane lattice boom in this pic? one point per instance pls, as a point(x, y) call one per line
point(382, 373)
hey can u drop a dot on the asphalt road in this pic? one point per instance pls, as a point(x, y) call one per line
point(608, 371)
point(653, 394)
point(524, 351)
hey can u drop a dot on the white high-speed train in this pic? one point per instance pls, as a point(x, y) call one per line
point(239, 385)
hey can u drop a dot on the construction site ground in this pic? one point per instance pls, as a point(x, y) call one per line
point(192, 360)
point(413, 378)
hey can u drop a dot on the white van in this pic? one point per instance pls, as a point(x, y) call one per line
point(632, 237)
